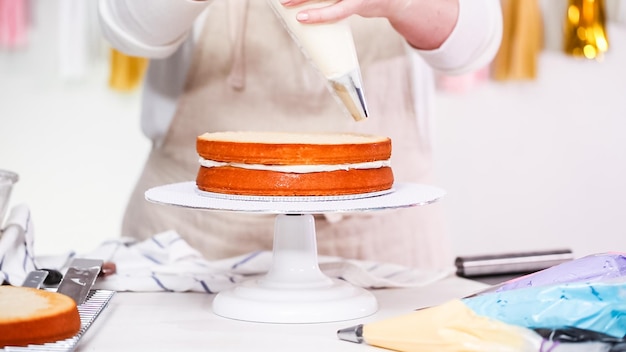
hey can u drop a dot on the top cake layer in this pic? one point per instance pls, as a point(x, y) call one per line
point(284, 148)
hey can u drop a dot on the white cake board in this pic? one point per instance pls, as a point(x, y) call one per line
point(294, 290)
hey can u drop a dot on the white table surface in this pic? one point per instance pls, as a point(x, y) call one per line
point(185, 322)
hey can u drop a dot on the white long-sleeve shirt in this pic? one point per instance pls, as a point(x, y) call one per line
point(136, 27)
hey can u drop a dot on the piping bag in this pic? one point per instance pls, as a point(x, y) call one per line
point(591, 304)
point(330, 48)
point(592, 268)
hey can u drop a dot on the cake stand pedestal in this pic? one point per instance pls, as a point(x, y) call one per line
point(294, 290)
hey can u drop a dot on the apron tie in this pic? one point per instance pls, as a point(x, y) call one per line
point(238, 10)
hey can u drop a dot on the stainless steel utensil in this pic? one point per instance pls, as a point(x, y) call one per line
point(35, 278)
point(79, 278)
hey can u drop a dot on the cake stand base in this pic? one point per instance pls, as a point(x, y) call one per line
point(295, 290)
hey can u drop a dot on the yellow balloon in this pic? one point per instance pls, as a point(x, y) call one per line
point(126, 72)
point(522, 41)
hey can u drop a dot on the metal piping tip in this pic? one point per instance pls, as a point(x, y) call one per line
point(349, 89)
point(352, 334)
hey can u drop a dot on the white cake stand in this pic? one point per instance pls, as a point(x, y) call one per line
point(294, 290)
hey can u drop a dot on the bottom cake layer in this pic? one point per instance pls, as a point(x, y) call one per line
point(238, 181)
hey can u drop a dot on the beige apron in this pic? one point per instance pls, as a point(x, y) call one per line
point(248, 74)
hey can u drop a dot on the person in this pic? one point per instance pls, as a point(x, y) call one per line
point(220, 65)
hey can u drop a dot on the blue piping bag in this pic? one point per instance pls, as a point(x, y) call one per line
point(599, 306)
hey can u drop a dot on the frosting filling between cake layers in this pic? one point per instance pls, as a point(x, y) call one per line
point(300, 169)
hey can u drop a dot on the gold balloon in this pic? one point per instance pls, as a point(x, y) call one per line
point(585, 29)
point(126, 72)
point(522, 41)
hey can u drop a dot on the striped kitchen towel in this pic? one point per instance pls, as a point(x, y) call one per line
point(17, 257)
point(166, 262)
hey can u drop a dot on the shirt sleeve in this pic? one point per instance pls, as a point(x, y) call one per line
point(148, 28)
point(474, 41)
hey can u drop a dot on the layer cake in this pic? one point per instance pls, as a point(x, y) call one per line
point(293, 164)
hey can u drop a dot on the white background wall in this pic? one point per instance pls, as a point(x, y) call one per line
point(539, 165)
point(527, 166)
point(75, 143)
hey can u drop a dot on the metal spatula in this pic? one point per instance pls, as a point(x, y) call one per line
point(79, 278)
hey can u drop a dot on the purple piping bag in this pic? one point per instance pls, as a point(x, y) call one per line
point(589, 269)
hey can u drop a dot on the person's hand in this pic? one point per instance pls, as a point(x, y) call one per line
point(425, 24)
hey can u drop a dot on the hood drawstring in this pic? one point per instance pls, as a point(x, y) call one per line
point(238, 10)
